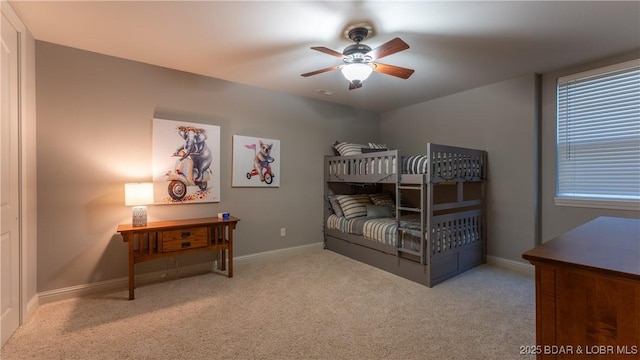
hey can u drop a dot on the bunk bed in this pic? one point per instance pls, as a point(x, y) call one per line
point(421, 217)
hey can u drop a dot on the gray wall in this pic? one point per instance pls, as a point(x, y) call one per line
point(501, 119)
point(94, 127)
point(94, 117)
point(560, 219)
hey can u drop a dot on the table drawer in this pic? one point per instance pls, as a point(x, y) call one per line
point(184, 239)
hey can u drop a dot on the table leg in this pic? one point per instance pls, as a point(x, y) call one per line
point(222, 265)
point(131, 267)
point(231, 250)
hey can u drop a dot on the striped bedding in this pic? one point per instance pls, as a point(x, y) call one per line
point(414, 164)
point(352, 226)
point(382, 230)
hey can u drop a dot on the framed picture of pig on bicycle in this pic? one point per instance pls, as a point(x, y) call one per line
point(255, 162)
point(186, 162)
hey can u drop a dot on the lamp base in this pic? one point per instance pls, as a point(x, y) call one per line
point(139, 216)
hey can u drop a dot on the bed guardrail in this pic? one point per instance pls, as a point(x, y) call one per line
point(446, 163)
point(370, 167)
point(450, 163)
point(454, 231)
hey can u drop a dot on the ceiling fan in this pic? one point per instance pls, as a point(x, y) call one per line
point(360, 60)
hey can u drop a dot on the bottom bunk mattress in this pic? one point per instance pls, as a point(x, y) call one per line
point(448, 233)
point(455, 241)
point(382, 230)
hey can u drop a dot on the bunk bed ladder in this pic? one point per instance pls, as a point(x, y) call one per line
point(402, 231)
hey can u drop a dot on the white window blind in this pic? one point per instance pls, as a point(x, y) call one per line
point(598, 134)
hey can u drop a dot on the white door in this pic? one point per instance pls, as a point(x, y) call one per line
point(9, 180)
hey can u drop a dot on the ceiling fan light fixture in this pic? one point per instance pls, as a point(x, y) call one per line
point(357, 73)
point(360, 60)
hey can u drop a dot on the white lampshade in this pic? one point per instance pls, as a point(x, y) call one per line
point(138, 195)
point(357, 72)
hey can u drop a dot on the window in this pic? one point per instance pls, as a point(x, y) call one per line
point(598, 138)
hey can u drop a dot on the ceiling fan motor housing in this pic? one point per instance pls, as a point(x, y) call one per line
point(358, 34)
point(356, 49)
point(356, 53)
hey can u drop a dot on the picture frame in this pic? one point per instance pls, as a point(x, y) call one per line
point(186, 162)
point(255, 162)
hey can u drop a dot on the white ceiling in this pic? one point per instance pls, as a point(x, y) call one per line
point(455, 45)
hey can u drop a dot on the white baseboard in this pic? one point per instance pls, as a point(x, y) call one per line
point(511, 265)
point(71, 292)
point(296, 250)
point(31, 307)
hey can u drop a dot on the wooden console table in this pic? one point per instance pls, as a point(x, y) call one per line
point(171, 238)
point(588, 292)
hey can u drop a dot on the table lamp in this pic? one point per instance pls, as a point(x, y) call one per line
point(138, 195)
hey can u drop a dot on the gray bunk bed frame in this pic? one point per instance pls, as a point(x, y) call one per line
point(452, 232)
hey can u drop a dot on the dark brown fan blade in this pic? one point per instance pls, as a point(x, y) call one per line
point(354, 85)
point(328, 51)
point(321, 71)
point(388, 48)
point(393, 70)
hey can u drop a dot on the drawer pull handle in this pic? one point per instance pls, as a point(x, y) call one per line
point(186, 234)
point(186, 244)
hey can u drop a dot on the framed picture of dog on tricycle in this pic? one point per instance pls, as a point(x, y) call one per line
point(186, 162)
point(255, 162)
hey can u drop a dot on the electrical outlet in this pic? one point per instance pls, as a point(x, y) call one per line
point(283, 231)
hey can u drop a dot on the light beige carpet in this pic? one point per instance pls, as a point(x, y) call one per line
point(319, 305)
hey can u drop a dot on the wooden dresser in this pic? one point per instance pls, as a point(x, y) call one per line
point(588, 292)
point(171, 238)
